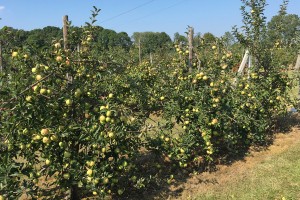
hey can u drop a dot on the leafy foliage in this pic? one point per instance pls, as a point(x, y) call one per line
point(74, 122)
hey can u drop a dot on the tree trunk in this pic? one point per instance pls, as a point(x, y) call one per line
point(74, 193)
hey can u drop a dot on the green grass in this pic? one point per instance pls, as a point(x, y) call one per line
point(276, 178)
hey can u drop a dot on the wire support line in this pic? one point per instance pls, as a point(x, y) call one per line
point(128, 11)
point(156, 12)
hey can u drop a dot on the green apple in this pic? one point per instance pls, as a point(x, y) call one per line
point(43, 91)
point(120, 191)
point(91, 163)
point(14, 54)
point(57, 45)
point(107, 119)
point(44, 131)
point(35, 88)
point(89, 172)
point(38, 77)
point(61, 144)
point(102, 119)
point(105, 181)
point(110, 95)
point(78, 93)
point(108, 113)
point(28, 98)
point(66, 176)
point(58, 58)
point(48, 162)
point(34, 70)
point(46, 140)
point(110, 134)
point(68, 102)
point(67, 154)
point(53, 138)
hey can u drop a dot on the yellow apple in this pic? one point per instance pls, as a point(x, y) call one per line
point(34, 70)
point(58, 58)
point(46, 140)
point(89, 172)
point(110, 134)
point(68, 102)
point(57, 45)
point(44, 131)
point(102, 119)
point(38, 77)
point(110, 95)
point(66, 175)
point(14, 54)
point(214, 121)
point(108, 113)
point(29, 98)
point(43, 91)
point(48, 162)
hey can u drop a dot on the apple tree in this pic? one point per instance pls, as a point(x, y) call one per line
point(65, 129)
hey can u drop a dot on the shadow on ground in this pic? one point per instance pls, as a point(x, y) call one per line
point(158, 188)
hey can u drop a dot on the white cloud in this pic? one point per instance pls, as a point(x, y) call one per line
point(2, 8)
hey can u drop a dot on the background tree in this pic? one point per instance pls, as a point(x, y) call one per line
point(180, 39)
point(151, 41)
point(41, 38)
point(209, 38)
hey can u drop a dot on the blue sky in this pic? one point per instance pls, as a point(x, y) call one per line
point(170, 16)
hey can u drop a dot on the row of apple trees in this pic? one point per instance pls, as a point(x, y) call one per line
point(78, 125)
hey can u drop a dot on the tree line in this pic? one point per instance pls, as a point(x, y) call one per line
point(283, 31)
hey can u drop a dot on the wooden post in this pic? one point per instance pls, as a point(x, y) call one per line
point(244, 61)
point(140, 51)
point(1, 58)
point(65, 36)
point(65, 31)
point(297, 66)
point(78, 48)
point(190, 38)
point(150, 58)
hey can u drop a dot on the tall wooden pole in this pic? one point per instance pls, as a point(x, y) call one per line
point(65, 36)
point(140, 51)
point(1, 58)
point(190, 38)
point(65, 31)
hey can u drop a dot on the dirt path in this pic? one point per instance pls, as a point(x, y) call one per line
point(199, 184)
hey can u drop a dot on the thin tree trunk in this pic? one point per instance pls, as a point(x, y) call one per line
point(74, 193)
